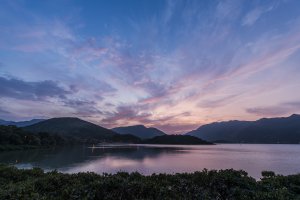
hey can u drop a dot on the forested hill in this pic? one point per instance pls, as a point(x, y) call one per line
point(140, 131)
point(285, 130)
point(68, 126)
point(15, 138)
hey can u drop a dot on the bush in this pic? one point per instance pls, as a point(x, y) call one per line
point(223, 184)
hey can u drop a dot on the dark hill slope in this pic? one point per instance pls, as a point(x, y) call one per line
point(267, 130)
point(227, 131)
point(139, 131)
point(75, 127)
point(273, 130)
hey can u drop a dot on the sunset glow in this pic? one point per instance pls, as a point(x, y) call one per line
point(174, 65)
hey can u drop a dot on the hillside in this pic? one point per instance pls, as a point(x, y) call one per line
point(175, 139)
point(16, 138)
point(20, 123)
point(226, 131)
point(285, 130)
point(75, 127)
point(139, 131)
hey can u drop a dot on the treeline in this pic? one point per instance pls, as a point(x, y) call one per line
point(12, 137)
point(15, 138)
point(176, 139)
point(224, 184)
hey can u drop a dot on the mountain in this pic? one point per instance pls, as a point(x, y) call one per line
point(20, 123)
point(285, 130)
point(175, 139)
point(226, 131)
point(68, 126)
point(139, 131)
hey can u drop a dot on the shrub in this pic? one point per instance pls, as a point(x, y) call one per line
point(223, 184)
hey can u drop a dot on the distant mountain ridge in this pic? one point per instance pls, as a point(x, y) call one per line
point(140, 131)
point(20, 123)
point(266, 130)
point(69, 126)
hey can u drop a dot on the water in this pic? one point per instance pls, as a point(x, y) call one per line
point(148, 159)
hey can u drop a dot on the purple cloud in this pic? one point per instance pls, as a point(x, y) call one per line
point(19, 89)
point(83, 108)
point(278, 110)
point(2, 111)
point(176, 66)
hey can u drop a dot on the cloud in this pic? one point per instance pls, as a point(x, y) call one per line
point(169, 11)
point(5, 115)
point(131, 115)
point(278, 110)
point(228, 9)
point(87, 50)
point(218, 102)
point(2, 111)
point(83, 108)
point(154, 89)
point(268, 111)
point(169, 68)
point(177, 128)
point(254, 15)
point(19, 89)
point(294, 104)
point(127, 114)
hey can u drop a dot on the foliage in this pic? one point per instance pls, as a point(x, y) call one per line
point(175, 139)
point(14, 138)
point(224, 184)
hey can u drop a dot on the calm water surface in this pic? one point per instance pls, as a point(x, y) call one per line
point(148, 159)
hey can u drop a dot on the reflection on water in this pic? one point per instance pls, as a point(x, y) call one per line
point(148, 159)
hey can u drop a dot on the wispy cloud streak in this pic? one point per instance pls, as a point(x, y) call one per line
point(176, 65)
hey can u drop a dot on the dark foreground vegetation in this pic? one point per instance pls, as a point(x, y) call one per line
point(224, 184)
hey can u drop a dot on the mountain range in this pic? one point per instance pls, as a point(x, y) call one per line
point(76, 128)
point(267, 130)
point(70, 126)
point(20, 123)
point(140, 131)
point(73, 126)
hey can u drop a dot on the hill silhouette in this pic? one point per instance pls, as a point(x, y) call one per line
point(69, 126)
point(284, 130)
point(140, 131)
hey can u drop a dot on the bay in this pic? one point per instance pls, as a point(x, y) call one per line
point(148, 159)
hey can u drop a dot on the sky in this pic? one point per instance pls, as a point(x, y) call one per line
point(174, 65)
